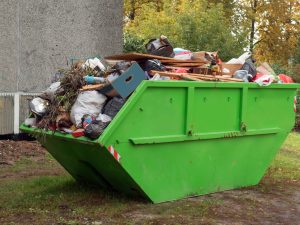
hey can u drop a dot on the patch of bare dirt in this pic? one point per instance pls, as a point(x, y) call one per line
point(251, 206)
point(32, 172)
point(12, 151)
point(247, 206)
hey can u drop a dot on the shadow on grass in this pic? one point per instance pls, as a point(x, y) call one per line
point(53, 191)
point(92, 192)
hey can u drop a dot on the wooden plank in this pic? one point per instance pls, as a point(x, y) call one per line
point(176, 67)
point(181, 75)
point(92, 87)
point(198, 76)
point(140, 56)
point(218, 77)
point(170, 61)
point(184, 64)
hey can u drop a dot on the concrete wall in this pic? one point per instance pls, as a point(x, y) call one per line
point(37, 37)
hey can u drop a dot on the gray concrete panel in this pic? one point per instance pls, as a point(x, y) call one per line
point(9, 49)
point(43, 36)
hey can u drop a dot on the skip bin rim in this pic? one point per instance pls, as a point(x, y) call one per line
point(175, 84)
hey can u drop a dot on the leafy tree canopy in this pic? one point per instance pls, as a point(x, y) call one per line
point(194, 25)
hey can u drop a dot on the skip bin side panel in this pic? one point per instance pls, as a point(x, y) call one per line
point(167, 172)
point(216, 110)
point(171, 151)
point(270, 108)
point(88, 162)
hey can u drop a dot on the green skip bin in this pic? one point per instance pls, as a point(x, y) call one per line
point(175, 139)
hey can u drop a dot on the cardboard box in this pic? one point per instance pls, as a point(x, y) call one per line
point(126, 83)
point(231, 67)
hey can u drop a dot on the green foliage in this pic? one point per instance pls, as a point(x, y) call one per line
point(194, 25)
point(286, 164)
point(272, 28)
point(133, 43)
point(278, 69)
point(287, 70)
point(269, 28)
point(296, 58)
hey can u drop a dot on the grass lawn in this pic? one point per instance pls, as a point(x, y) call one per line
point(38, 191)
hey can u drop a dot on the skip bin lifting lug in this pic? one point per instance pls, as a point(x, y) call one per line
point(243, 127)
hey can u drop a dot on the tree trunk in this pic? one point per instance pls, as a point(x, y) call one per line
point(132, 10)
point(254, 8)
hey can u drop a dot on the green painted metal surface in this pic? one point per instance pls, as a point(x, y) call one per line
point(178, 139)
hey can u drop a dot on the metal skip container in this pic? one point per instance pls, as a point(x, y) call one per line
point(175, 139)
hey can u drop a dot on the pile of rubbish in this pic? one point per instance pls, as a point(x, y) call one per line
point(84, 99)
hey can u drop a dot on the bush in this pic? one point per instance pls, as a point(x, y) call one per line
point(132, 43)
point(292, 71)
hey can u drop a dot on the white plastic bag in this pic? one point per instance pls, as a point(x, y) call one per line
point(104, 118)
point(88, 102)
point(30, 122)
point(239, 60)
point(93, 63)
point(52, 88)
